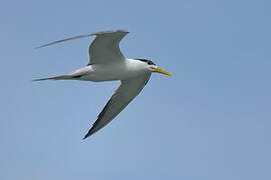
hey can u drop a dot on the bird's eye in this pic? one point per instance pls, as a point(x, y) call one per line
point(150, 63)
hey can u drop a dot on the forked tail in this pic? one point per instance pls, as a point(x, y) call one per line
point(54, 78)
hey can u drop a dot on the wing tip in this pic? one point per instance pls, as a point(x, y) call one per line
point(40, 46)
point(90, 132)
point(86, 136)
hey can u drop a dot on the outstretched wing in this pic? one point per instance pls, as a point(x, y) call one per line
point(125, 93)
point(103, 49)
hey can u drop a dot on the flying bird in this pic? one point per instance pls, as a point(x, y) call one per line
point(107, 63)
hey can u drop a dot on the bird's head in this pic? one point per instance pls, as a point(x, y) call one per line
point(153, 68)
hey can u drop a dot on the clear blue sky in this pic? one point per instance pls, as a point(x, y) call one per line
point(210, 121)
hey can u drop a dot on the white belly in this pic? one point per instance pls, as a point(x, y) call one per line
point(110, 72)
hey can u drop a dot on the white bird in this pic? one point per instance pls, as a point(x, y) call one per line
point(107, 63)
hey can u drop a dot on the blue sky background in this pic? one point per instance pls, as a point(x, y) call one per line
point(210, 121)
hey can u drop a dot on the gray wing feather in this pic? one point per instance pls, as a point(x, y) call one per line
point(103, 49)
point(80, 36)
point(125, 93)
point(63, 40)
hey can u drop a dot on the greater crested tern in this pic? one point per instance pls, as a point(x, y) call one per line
point(107, 63)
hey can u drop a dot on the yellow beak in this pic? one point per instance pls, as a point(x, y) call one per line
point(159, 70)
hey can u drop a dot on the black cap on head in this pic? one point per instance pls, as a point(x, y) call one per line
point(146, 61)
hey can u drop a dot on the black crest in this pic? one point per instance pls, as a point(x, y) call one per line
point(147, 61)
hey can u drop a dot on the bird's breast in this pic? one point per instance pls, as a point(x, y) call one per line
point(112, 72)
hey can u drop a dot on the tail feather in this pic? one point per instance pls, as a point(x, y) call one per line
point(54, 78)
